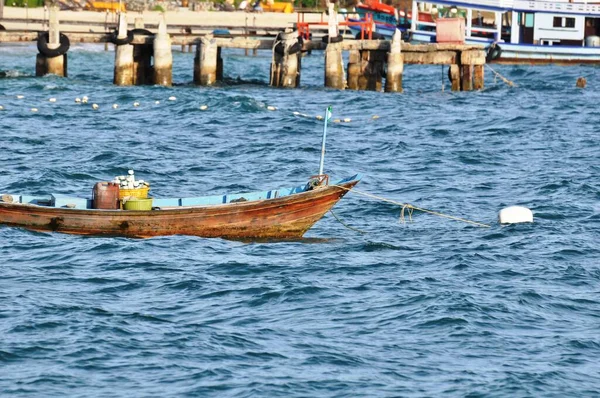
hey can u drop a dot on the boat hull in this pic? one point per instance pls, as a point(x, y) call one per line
point(287, 217)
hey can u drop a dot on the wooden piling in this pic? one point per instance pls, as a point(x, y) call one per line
point(142, 64)
point(472, 63)
point(285, 64)
point(466, 74)
point(205, 61)
point(163, 58)
point(219, 65)
point(123, 73)
point(354, 62)
point(395, 65)
point(57, 64)
point(478, 77)
point(142, 59)
point(454, 76)
point(371, 70)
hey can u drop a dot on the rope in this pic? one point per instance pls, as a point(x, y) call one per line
point(345, 225)
point(496, 74)
point(410, 208)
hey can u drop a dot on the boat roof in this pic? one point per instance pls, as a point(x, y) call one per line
point(550, 7)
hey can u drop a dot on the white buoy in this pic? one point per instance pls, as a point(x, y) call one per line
point(34, 109)
point(20, 96)
point(515, 215)
point(375, 117)
point(1, 108)
point(336, 120)
point(271, 108)
point(52, 100)
point(156, 102)
point(136, 104)
point(347, 120)
point(203, 107)
point(172, 98)
point(319, 117)
point(115, 106)
point(78, 100)
point(95, 106)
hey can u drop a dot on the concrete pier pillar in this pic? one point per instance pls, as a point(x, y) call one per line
point(354, 62)
point(285, 65)
point(478, 77)
point(395, 65)
point(454, 76)
point(466, 73)
point(163, 58)
point(52, 58)
point(332, 22)
point(334, 67)
point(123, 74)
point(206, 61)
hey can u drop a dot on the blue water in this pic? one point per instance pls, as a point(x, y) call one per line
point(429, 308)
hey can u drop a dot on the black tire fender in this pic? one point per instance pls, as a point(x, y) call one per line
point(295, 48)
point(336, 39)
point(280, 48)
point(42, 45)
point(494, 52)
point(120, 42)
point(141, 32)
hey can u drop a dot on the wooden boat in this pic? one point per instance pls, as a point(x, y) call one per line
point(514, 31)
point(284, 213)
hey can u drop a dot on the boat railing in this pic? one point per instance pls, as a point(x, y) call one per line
point(497, 5)
point(366, 26)
point(551, 6)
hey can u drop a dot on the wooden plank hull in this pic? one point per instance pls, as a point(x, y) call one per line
point(286, 217)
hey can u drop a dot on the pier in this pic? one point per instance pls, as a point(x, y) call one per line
point(144, 57)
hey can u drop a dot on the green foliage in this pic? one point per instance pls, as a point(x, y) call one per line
point(22, 3)
point(307, 3)
point(158, 8)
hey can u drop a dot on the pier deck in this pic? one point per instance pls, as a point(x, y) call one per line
point(438, 54)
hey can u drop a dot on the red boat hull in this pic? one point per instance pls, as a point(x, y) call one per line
point(286, 217)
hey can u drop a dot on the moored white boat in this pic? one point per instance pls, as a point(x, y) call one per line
point(514, 31)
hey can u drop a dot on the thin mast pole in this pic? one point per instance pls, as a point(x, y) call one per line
point(327, 116)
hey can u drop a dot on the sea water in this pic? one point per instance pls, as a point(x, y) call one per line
point(428, 307)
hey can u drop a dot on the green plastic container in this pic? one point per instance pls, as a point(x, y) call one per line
point(138, 204)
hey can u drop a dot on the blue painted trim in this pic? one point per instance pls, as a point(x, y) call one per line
point(57, 200)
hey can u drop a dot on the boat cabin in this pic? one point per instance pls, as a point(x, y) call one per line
point(550, 23)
